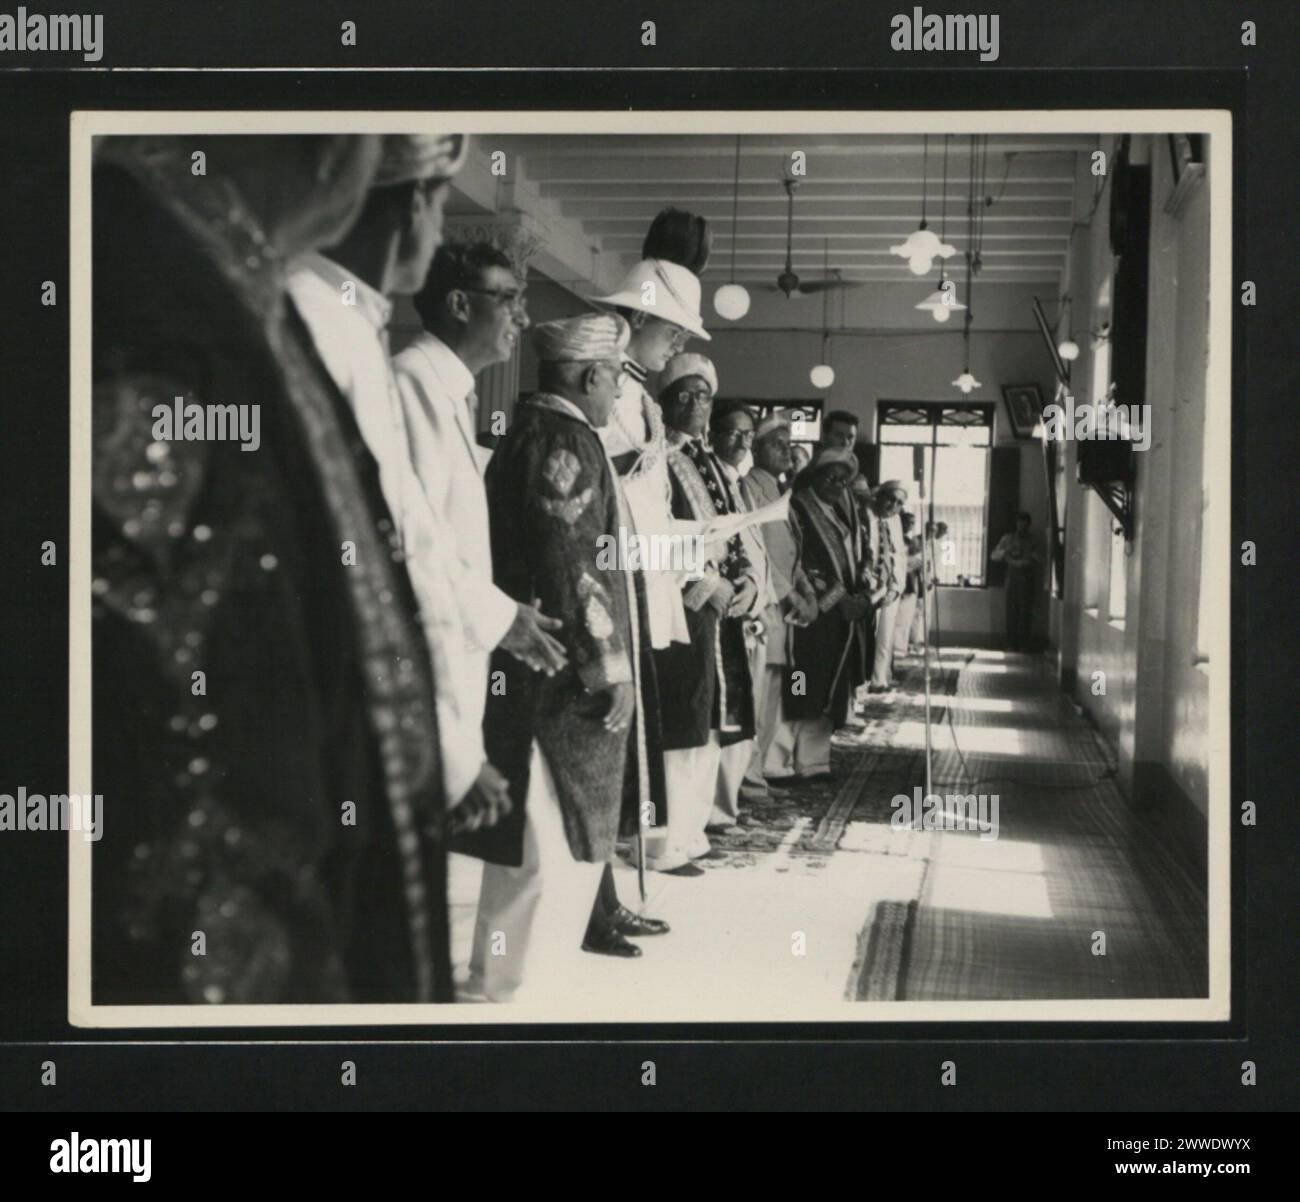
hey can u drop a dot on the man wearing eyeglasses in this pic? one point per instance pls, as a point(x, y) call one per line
point(345, 299)
point(473, 310)
point(705, 689)
point(731, 431)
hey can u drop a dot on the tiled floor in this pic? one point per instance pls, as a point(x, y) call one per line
point(820, 902)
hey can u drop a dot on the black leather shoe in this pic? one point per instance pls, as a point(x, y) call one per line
point(687, 869)
point(611, 943)
point(630, 923)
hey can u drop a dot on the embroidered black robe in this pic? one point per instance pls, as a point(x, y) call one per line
point(264, 728)
point(703, 685)
point(554, 514)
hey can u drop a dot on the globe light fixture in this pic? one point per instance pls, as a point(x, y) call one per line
point(966, 382)
point(731, 301)
point(1068, 350)
point(822, 376)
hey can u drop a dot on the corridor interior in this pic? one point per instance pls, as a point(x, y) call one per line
point(821, 899)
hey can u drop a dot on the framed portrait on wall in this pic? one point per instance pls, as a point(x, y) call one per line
point(1024, 405)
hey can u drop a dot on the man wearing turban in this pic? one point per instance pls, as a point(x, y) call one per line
point(704, 686)
point(569, 743)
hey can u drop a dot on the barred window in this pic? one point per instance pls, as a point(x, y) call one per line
point(954, 442)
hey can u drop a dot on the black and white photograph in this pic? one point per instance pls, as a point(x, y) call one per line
point(609, 567)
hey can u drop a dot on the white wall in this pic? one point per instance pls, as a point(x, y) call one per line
point(1155, 706)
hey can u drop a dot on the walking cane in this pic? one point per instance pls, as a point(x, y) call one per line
point(640, 852)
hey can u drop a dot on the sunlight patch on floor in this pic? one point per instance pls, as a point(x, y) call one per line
point(984, 891)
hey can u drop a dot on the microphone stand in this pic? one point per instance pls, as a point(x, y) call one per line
point(925, 625)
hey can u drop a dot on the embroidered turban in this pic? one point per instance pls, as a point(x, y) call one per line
point(581, 339)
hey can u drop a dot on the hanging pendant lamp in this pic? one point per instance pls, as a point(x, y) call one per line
point(922, 247)
point(967, 383)
point(731, 301)
point(823, 374)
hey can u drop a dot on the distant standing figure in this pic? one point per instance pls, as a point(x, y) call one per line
point(1019, 551)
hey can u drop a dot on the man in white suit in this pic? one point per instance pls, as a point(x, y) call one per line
point(472, 308)
point(889, 557)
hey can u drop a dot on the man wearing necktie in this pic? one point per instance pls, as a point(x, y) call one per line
point(731, 430)
point(704, 686)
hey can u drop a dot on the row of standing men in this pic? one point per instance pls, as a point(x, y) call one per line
point(321, 666)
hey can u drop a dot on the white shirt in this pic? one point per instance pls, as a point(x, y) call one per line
point(635, 425)
point(751, 537)
point(875, 540)
point(435, 386)
point(352, 342)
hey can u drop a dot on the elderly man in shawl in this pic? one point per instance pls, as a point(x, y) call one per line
point(563, 741)
point(830, 654)
point(704, 686)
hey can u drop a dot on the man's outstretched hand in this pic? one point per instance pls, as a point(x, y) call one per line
point(487, 802)
point(529, 643)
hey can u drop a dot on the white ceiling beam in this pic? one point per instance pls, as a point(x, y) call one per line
point(765, 145)
point(601, 165)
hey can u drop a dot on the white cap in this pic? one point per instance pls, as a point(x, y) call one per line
point(689, 364)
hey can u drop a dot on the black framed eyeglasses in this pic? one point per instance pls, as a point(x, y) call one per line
point(695, 396)
point(507, 298)
point(746, 436)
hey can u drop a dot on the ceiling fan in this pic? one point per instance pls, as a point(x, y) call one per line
point(788, 282)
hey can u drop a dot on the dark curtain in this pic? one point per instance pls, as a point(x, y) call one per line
point(1004, 504)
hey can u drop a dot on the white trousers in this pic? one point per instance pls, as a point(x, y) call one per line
point(800, 748)
point(917, 637)
point(769, 721)
point(886, 617)
point(531, 919)
point(903, 623)
point(690, 780)
point(767, 713)
point(733, 763)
